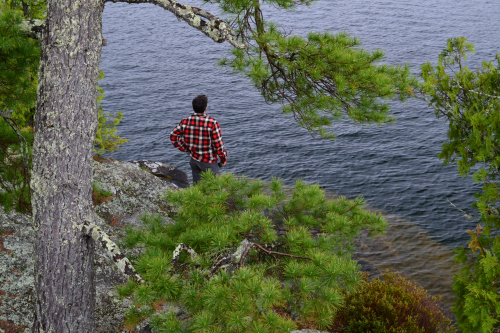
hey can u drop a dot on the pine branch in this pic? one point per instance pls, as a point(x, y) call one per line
point(178, 250)
point(269, 252)
point(215, 28)
point(22, 141)
point(479, 93)
point(113, 251)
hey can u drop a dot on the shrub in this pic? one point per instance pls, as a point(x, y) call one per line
point(262, 262)
point(391, 305)
point(469, 101)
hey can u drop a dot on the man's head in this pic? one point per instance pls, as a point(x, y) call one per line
point(200, 103)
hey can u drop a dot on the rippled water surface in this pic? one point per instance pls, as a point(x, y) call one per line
point(155, 65)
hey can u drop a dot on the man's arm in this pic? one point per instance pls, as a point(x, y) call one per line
point(177, 138)
point(217, 144)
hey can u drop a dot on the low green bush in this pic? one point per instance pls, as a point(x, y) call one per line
point(391, 305)
point(293, 271)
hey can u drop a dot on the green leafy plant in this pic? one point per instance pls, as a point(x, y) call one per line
point(391, 305)
point(106, 139)
point(470, 101)
point(252, 259)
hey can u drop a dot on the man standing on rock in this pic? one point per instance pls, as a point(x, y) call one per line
point(201, 137)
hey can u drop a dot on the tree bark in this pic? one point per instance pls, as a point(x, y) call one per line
point(61, 182)
point(65, 125)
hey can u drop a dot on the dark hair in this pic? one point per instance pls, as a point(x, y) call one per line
point(200, 103)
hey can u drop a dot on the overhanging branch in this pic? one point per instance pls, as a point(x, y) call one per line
point(215, 28)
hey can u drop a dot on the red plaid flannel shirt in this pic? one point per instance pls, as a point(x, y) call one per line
point(200, 135)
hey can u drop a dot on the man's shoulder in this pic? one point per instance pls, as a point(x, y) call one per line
point(211, 119)
point(197, 119)
point(189, 119)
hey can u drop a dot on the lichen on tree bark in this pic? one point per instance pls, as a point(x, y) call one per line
point(61, 183)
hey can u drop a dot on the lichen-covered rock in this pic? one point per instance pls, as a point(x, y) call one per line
point(134, 192)
point(165, 171)
point(16, 272)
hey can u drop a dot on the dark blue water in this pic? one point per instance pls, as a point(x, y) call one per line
point(155, 65)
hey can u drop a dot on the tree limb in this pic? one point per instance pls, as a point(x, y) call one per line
point(113, 251)
point(215, 28)
point(178, 250)
point(248, 246)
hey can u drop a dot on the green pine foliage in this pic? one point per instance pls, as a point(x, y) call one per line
point(321, 78)
point(294, 275)
point(106, 139)
point(31, 9)
point(19, 57)
point(392, 305)
point(469, 99)
point(14, 177)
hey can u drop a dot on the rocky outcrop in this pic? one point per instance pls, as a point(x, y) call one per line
point(165, 172)
point(133, 191)
point(128, 190)
point(16, 272)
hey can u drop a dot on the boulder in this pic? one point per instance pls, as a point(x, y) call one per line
point(165, 172)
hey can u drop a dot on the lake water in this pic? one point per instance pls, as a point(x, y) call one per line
point(155, 65)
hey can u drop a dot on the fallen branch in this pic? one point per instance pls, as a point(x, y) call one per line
point(271, 253)
point(178, 250)
point(112, 250)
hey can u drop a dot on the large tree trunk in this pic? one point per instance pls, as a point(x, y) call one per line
point(61, 182)
point(65, 125)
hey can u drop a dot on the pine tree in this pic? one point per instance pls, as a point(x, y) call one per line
point(470, 101)
point(66, 120)
point(243, 256)
point(322, 78)
point(19, 58)
point(19, 62)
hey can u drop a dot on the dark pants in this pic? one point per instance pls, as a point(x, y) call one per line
point(198, 167)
